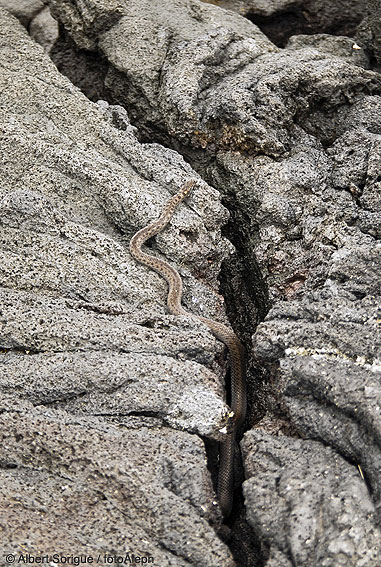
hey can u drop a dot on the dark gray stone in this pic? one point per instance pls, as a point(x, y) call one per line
point(280, 19)
point(180, 393)
point(291, 139)
point(82, 486)
point(329, 378)
point(310, 506)
point(369, 32)
point(214, 87)
point(338, 46)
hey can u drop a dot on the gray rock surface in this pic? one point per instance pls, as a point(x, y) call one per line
point(36, 17)
point(209, 78)
point(280, 19)
point(322, 345)
point(308, 503)
point(291, 138)
point(369, 31)
point(84, 331)
point(338, 46)
point(82, 486)
point(23, 10)
point(313, 202)
point(44, 29)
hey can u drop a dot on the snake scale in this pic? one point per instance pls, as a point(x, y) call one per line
point(220, 331)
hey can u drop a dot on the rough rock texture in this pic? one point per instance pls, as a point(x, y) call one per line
point(162, 54)
point(24, 10)
point(310, 506)
point(338, 46)
point(83, 486)
point(210, 83)
point(329, 375)
point(44, 29)
point(84, 330)
point(369, 32)
point(322, 345)
point(291, 138)
point(281, 19)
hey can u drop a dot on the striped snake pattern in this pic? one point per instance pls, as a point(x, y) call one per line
point(220, 331)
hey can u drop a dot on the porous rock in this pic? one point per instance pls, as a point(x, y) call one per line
point(44, 29)
point(309, 504)
point(330, 373)
point(337, 46)
point(280, 19)
point(320, 343)
point(291, 138)
point(36, 17)
point(24, 10)
point(225, 93)
point(278, 130)
point(74, 486)
point(84, 330)
point(209, 78)
point(369, 31)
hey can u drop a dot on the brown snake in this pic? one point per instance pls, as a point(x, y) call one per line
point(220, 331)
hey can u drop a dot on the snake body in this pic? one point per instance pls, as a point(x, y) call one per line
point(220, 331)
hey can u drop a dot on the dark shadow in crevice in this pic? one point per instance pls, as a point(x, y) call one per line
point(241, 282)
point(236, 532)
point(279, 27)
point(87, 70)
point(7, 465)
point(246, 547)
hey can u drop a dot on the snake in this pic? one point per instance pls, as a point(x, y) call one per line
point(225, 482)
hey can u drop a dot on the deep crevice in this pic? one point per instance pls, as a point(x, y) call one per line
point(236, 532)
point(280, 26)
point(6, 465)
point(245, 293)
point(87, 70)
point(19, 350)
point(274, 27)
point(241, 282)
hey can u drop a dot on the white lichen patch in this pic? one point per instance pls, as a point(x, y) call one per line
point(199, 410)
point(329, 354)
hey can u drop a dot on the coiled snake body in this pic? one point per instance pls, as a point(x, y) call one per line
point(221, 332)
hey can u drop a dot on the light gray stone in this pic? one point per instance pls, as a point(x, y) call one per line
point(81, 486)
point(85, 331)
point(23, 10)
point(44, 29)
point(291, 139)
